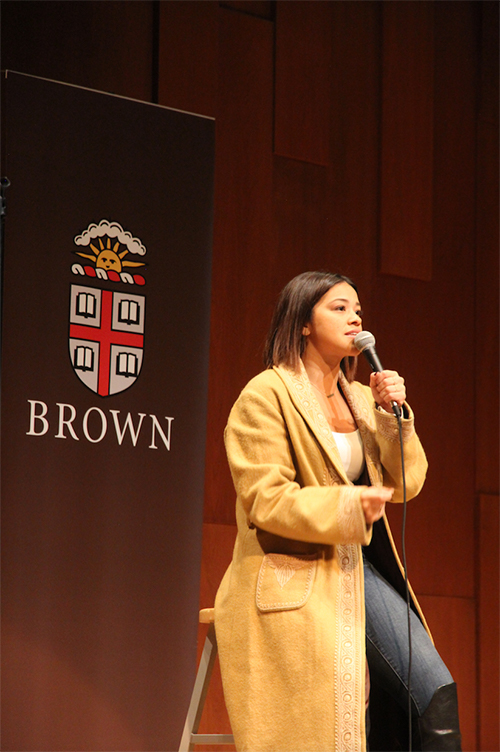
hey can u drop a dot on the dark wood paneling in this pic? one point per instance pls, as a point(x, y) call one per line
point(427, 328)
point(261, 8)
point(100, 45)
point(245, 255)
point(487, 309)
point(487, 380)
point(351, 215)
point(407, 139)
point(302, 78)
point(488, 626)
point(301, 207)
point(487, 258)
point(187, 65)
point(488, 100)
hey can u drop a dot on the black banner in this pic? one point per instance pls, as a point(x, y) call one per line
point(106, 296)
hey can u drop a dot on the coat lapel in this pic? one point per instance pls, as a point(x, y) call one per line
point(304, 399)
point(363, 414)
point(302, 395)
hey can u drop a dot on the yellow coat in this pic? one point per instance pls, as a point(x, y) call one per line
point(289, 613)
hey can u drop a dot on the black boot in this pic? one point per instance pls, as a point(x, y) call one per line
point(438, 726)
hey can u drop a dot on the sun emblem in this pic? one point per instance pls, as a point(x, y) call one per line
point(107, 245)
point(111, 259)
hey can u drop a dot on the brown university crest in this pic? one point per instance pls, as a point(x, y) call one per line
point(106, 325)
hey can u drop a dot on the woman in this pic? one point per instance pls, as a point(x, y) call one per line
point(315, 457)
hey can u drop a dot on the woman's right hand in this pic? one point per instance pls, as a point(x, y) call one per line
point(373, 500)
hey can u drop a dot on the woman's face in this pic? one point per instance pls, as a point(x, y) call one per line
point(335, 321)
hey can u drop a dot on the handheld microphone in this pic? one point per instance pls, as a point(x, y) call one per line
point(365, 343)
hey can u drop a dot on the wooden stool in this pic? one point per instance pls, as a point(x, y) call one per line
point(190, 737)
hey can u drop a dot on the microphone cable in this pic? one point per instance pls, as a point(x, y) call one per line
point(407, 588)
point(365, 343)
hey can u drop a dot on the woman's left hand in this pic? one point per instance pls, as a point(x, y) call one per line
point(388, 387)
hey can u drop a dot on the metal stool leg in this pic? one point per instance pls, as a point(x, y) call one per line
point(190, 737)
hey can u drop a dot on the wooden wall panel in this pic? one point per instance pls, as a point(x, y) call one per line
point(488, 547)
point(453, 626)
point(187, 60)
point(301, 208)
point(352, 212)
point(488, 98)
point(327, 217)
point(487, 259)
point(487, 310)
point(302, 78)
point(100, 45)
point(427, 328)
point(261, 8)
point(407, 139)
point(244, 253)
point(487, 380)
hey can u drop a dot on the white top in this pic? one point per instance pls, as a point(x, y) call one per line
point(351, 453)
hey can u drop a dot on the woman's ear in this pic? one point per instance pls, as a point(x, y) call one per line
point(306, 330)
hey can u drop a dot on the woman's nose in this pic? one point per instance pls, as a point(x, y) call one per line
point(355, 318)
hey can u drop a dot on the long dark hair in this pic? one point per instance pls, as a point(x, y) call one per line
point(285, 342)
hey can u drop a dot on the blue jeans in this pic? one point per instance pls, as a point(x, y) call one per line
point(387, 646)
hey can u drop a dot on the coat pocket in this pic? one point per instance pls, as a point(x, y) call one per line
point(285, 582)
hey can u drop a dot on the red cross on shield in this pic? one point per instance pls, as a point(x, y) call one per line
point(106, 338)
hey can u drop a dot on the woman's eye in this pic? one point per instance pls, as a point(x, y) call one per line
point(343, 308)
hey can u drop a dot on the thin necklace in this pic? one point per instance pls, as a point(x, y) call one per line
point(323, 393)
